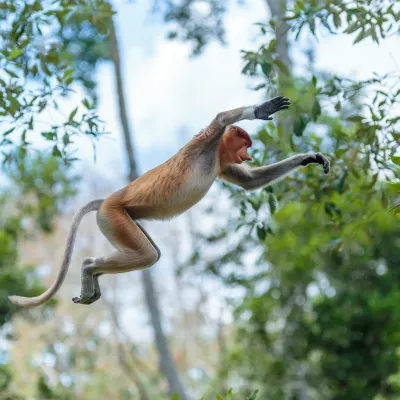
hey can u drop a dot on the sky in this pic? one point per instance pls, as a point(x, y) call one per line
point(171, 97)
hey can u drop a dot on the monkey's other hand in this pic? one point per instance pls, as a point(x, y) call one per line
point(317, 158)
point(264, 110)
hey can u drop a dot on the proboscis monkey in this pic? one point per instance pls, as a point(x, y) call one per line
point(169, 190)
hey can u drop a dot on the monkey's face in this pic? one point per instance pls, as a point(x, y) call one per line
point(237, 141)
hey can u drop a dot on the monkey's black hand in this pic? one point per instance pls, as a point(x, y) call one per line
point(265, 110)
point(317, 158)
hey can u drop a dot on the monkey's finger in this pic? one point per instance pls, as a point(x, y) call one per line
point(327, 166)
point(279, 100)
point(276, 99)
point(324, 162)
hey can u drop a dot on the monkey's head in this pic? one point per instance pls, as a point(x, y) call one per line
point(233, 146)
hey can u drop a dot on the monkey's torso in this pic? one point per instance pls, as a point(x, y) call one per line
point(171, 188)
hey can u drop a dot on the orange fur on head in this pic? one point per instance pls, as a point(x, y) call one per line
point(233, 146)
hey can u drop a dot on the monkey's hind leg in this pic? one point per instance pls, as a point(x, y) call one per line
point(90, 291)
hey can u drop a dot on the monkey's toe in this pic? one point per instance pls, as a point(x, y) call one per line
point(324, 162)
point(94, 298)
point(81, 300)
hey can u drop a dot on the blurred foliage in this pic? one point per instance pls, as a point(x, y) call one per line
point(42, 185)
point(375, 19)
point(36, 73)
point(86, 38)
point(194, 21)
point(201, 21)
point(37, 190)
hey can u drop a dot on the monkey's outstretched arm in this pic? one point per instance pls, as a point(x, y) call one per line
point(51, 291)
point(263, 111)
point(253, 178)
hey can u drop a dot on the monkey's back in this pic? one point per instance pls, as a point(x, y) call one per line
point(167, 190)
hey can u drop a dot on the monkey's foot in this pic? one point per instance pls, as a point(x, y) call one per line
point(97, 292)
point(90, 286)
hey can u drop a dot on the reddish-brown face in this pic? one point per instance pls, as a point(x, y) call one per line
point(234, 145)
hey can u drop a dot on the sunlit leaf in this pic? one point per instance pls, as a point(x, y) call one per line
point(394, 186)
point(395, 159)
point(15, 52)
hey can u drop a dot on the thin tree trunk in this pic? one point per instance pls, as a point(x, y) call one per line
point(123, 117)
point(278, 10)
point(167, 365)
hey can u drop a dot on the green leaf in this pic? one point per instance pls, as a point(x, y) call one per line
point(360, 36)
point(15, 52)
point(355, 118)
point(373, 34)
point(395, 208)
point(8, 132)
point(316, 110)
point(311, 22)
point(11, 73)
point(175, 396)
point(65, 139)
point(261, 232)
point(384, 200)
point(299, 125)
point(260, 86)
point(56, 152)
point(395, 159)
point(314, 81)
point(48, 135)
point(73, 113)
point(336, 20)
point(254, 203)
point(338, 106)
point(352, 28)
point(266, 68)
point(272, 203)
point(219, 397)
point(253, 396)
point(229, 394)
point(395, 186)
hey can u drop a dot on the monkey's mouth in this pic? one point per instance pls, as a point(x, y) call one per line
point(243, 157)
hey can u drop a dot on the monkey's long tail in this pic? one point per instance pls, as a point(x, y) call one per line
point(52, 290)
